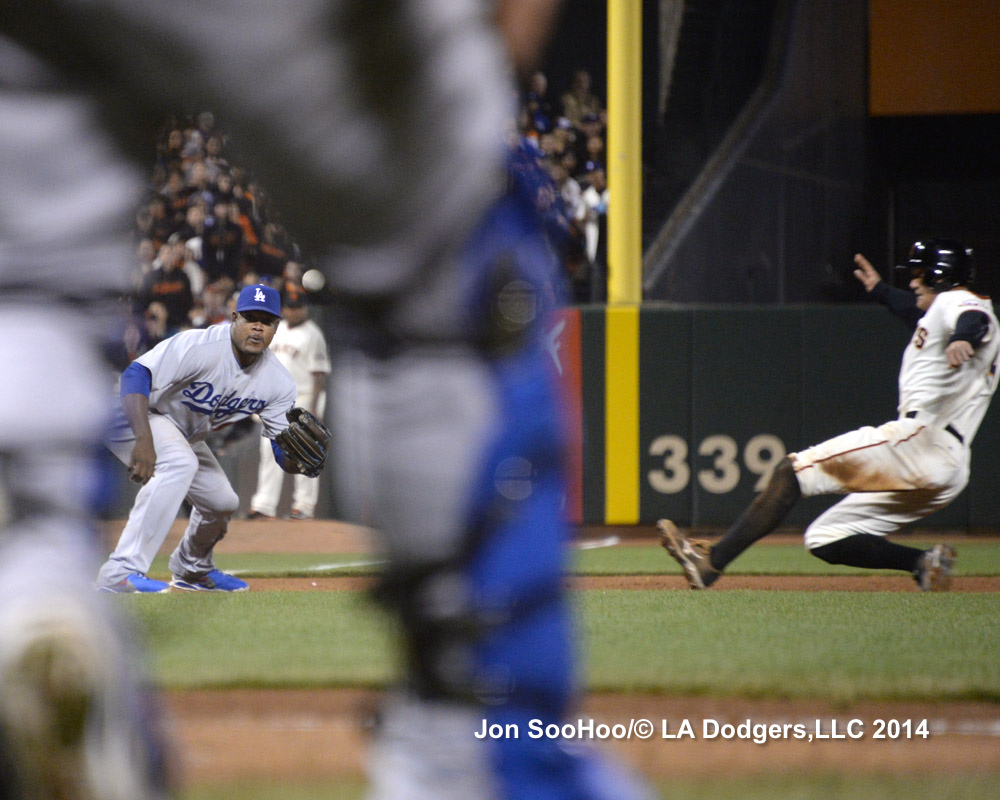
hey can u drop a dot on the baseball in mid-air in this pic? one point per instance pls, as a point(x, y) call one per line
point(313, 280)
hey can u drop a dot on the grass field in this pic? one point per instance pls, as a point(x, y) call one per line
point(835, 646)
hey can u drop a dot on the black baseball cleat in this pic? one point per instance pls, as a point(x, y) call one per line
point(933, 572)
point(691, 554)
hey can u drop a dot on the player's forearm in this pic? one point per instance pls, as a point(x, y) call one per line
point(136, 408)
point(901, 303)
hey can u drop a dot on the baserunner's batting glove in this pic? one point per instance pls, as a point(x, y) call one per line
point(304, 442)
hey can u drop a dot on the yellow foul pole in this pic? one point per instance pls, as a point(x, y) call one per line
point(624, 151)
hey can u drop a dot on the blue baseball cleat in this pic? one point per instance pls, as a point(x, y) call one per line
point(136, 583)
point(214, 581)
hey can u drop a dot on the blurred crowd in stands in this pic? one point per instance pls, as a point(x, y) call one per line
point(207, 228)
point(567, 133)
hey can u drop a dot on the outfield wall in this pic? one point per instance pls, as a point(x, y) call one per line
point(689, 411)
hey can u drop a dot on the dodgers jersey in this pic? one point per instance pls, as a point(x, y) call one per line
point(200, 386)
point(959, 396)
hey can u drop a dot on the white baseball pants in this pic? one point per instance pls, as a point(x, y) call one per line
point(271, 478)
point(893, 475)
point(183, 470)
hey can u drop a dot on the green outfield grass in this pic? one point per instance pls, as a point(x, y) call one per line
point(834, 645)
point(974, 558)
point(760, 787)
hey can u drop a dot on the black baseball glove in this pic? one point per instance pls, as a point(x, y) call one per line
point(304, 442)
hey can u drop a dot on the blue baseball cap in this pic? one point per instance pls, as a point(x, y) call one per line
point(259, 298)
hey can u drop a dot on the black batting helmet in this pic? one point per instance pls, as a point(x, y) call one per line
point(941, 263)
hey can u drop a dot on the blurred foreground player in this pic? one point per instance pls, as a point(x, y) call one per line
point(74, 721)
point(376, 126)
point(903, 470)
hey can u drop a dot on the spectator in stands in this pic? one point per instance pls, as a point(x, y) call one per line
point(595, 153)
point(579, 101)
point(536, 101)
point(592, 216)
point(568, 187)
point(205, 125)
point(572, 164)
point(215, 161)
point(175, 194)
point(564, 135)
point(222, 245)
point(274, 250)
point(194, 220)
point(222, 188)
point(194, 148)
point(154, 328)
point(590, 127)
point(192, 265)
point(144, 331)
point(169, 149)
point(160, 224)
point(145, 253)
point(198, 184)
point(167, 283)
point(211, 308)
point(241, 212)
point(547, 145)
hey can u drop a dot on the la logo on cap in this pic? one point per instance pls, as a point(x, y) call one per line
point(259, 296)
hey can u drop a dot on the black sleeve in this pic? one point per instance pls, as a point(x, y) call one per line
point(972, 327)
point(899, 301)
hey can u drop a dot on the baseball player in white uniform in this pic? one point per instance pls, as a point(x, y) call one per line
point(901, 471)
point(173, 397)
point(301, 348)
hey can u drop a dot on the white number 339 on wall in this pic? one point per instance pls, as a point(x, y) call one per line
point(722, 474)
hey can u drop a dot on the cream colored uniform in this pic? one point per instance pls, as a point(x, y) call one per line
point(303, 352)
point(905, 469)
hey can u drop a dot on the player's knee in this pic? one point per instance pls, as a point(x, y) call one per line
point(831, 553)
point(782, 492)
point(222, 504)
point(228, 504)
point(785, 484)
point(815, 538)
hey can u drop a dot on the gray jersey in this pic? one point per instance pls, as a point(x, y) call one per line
point(67, 200)
point(354, 136)
point(200, 386)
